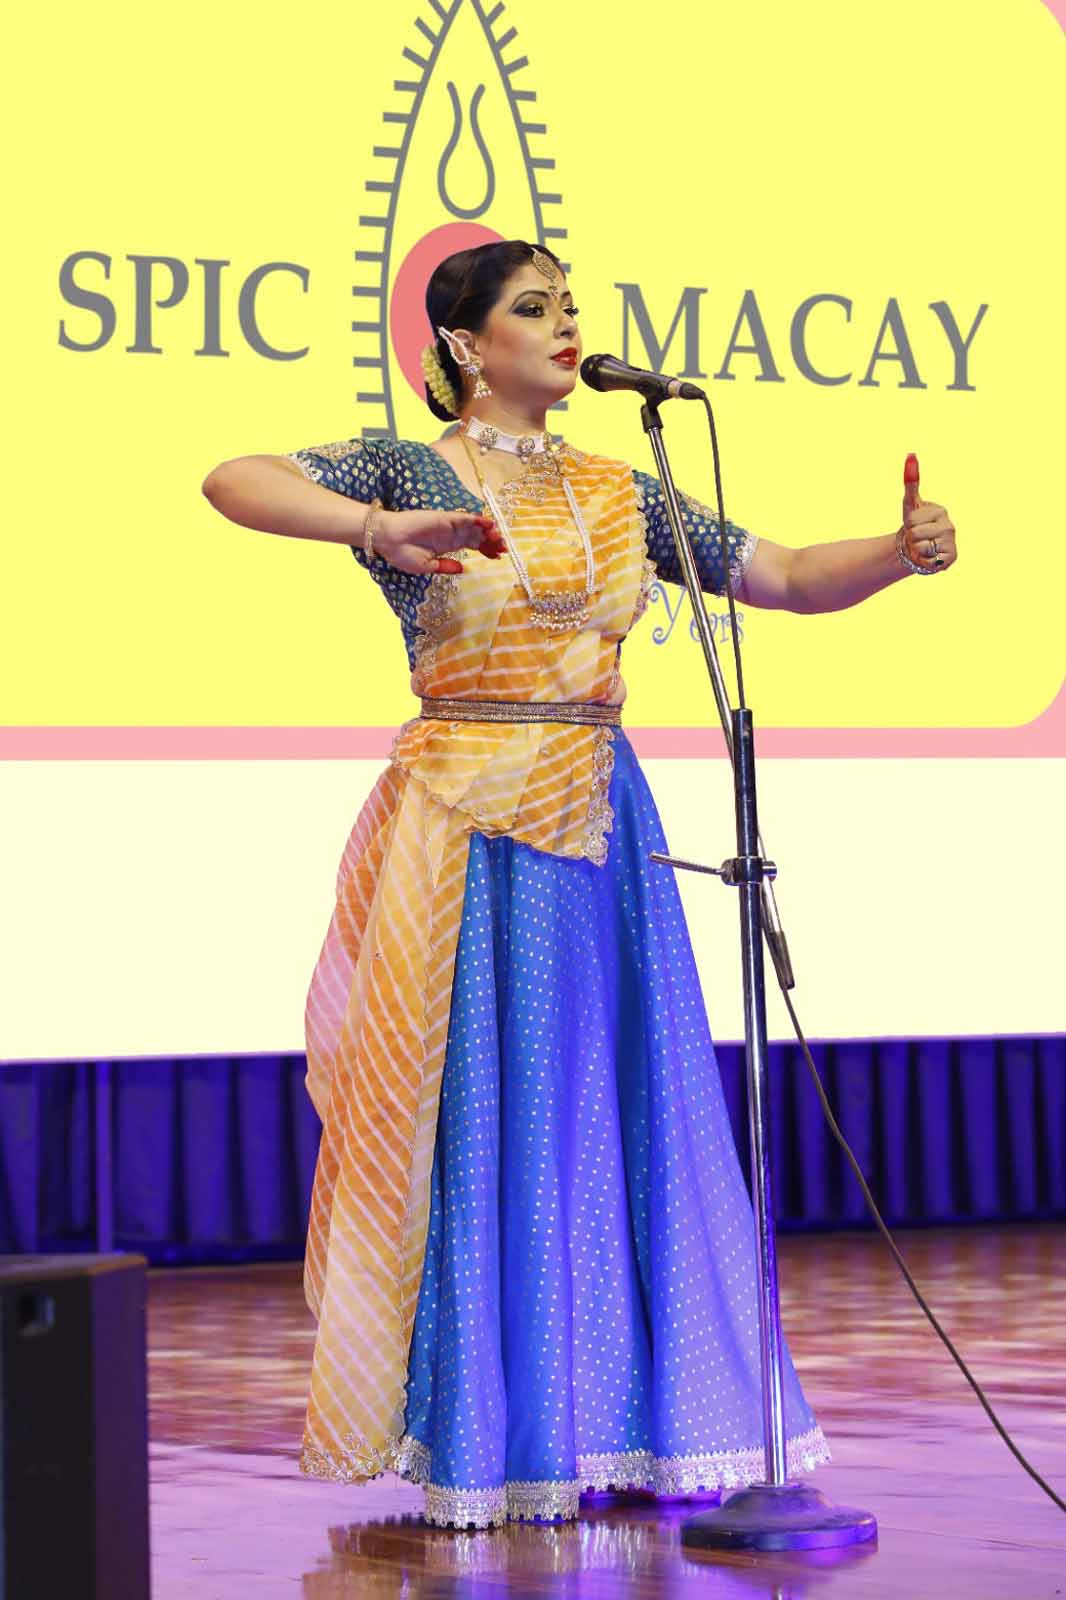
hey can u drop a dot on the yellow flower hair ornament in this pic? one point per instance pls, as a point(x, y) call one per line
point(437, 380)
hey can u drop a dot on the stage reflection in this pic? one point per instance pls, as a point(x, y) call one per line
point(233, 1518)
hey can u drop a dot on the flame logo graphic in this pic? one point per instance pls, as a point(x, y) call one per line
point(446, 180)
point(468, 213)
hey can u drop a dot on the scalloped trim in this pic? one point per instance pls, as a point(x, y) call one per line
point(337, 451)
point(356, 1462)
point(649, 573)
point(740, 550)
point(600, 819)
point(634, 1469)
point(522, 1501)
point(740, 560)
point(431, 619)
point(648, 578)
point(542, 472)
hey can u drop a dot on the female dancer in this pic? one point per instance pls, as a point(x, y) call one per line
point(530, 1249)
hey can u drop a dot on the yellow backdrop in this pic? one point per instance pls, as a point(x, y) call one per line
point(900, 156)
point(216, 244)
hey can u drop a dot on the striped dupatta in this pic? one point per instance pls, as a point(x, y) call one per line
point(380, 996)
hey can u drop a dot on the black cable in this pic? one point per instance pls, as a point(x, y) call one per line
point(724, 547)
point(834, 1126)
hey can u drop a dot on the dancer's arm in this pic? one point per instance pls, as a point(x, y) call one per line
point(831, 577)
point(702, 527)
point(272, 495)
point(813, 578)
point(326, 494)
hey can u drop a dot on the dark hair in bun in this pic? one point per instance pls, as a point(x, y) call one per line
point(461, 293)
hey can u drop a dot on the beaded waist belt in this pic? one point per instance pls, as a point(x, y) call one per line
point(520, 711)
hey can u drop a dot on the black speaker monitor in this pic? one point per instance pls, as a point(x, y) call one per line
point(73, 1428)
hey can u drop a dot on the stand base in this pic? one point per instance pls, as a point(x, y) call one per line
point(787, 1516)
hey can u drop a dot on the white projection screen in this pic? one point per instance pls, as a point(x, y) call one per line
point(224, 253)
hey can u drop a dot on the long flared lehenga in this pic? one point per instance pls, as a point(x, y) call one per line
point(530, 1249)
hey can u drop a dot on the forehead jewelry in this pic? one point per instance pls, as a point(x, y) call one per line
point(547, 269)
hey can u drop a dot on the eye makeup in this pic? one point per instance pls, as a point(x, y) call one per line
point(537, 304)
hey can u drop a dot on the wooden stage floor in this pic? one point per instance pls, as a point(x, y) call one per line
point(233, 1519)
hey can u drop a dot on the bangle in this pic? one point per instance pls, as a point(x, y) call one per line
point(912, 566)
point(368, 532)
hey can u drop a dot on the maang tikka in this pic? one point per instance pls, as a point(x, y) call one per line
point(547, 269)
point(467, 361)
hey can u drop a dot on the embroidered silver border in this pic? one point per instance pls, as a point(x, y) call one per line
point(590, 713)
point(431, 620)
point(338, 451)
point(648, 571)
point(635, 1469)
point(739, 558)
point(410, 1459)
point(600, 818)
point(542, 472)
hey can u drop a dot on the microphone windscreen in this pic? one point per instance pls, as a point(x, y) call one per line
point(590, 372)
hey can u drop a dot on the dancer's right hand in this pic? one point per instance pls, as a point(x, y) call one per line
point(419, 541)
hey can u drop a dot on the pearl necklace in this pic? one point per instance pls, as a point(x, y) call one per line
point(556, 611)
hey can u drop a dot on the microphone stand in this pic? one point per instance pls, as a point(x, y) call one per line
point(777, 1514)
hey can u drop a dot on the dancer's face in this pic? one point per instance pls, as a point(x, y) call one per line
point(530, 344)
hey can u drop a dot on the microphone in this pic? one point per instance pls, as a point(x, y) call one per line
point(607, 372)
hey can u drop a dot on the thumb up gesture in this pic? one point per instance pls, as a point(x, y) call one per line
point(926, 539)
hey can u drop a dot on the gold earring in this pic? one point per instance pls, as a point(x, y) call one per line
point(467, 361)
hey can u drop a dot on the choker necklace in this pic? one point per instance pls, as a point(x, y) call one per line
point(517, 444)
point(556, 611)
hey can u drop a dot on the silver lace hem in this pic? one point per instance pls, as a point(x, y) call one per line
point(551, 1500)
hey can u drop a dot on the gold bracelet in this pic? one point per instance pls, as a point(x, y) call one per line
point(368, 532)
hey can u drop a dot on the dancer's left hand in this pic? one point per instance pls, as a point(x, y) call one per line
point(923, 523)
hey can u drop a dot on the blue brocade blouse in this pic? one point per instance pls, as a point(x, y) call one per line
point(406, 475)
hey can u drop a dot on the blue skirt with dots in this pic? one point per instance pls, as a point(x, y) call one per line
point(588, 1314)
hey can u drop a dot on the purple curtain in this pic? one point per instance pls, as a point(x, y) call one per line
point(214, 1157)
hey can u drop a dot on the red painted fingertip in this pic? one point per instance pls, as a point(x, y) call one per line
point(910, 469)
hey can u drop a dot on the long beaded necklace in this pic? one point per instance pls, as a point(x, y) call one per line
point(556, 611)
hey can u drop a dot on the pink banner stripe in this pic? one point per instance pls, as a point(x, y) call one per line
point(1044, 736)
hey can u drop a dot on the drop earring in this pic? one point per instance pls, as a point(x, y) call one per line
point(467, 361)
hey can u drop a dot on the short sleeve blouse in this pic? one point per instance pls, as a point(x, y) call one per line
point(406, 475)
